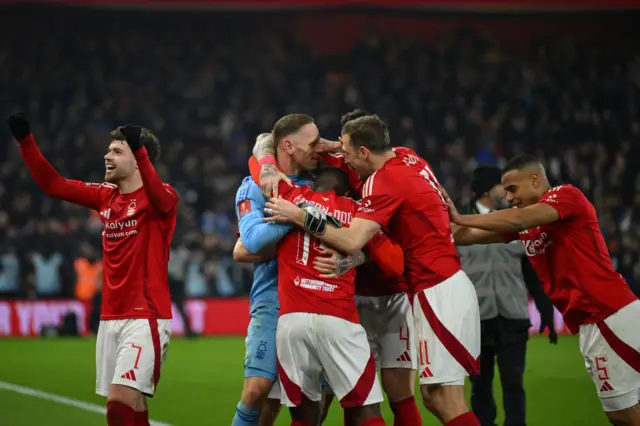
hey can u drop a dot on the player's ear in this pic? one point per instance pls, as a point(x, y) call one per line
point(288, 146)
point(363, 152)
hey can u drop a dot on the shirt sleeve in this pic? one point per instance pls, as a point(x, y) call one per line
point(378, 201)
point(255, 234)
point(162, 197)
point(89, 195)
point(387, 254)
point(566, 199)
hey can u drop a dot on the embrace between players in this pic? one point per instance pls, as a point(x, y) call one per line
point(318, 334)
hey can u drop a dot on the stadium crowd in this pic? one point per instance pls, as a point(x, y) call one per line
point(208, 87)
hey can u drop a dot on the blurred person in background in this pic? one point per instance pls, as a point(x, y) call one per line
point(46, 266)
point(88, 267)
point(9, 270)
point(503, 279)
point(178, 259)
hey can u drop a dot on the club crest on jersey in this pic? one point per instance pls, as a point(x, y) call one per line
point(261, 350)
point(410, 160)
point(132, 208)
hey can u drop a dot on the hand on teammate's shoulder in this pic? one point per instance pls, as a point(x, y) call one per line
point(19, 125)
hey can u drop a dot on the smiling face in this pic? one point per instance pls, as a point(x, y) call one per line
point(119, 162)
point(523, 187)
point(301, 145)
point(356, 157)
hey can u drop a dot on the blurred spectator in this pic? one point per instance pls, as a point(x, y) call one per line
point(208, 84)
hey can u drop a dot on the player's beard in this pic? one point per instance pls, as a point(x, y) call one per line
point(112, 177)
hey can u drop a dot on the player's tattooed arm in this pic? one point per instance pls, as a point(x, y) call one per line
point(332, 264)
point(242, 255)
point(265, 152)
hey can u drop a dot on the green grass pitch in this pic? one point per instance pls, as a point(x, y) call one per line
point(202, 380)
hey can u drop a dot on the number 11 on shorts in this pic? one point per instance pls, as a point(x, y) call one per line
point(405, 335)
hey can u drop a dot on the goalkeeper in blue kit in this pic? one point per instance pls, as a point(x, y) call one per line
point(260, 394)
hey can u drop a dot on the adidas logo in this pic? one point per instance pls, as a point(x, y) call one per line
point(426, 373)
point(129, 375)
point(404, 357)
point(106, 213)
point(606, 387)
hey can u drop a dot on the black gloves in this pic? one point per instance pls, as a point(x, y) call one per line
point(546, 321)
point(19, 125)
point(132, 134)
point(315, 220)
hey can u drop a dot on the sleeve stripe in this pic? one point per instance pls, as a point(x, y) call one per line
point(367, 189)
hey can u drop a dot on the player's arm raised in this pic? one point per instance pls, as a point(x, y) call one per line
point(242, 255)
point(161, 196)
point(45, 175)
point(265, 153)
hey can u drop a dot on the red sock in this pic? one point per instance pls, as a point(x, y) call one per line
point(119, 414)
point(405, 413)
point(373, 421)
point(142, 418)
point(299, 423)
point(466, 419)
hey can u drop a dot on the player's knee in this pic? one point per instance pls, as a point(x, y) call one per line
point(255, 391)
point(445, 402)
point(397, 383)
point(128, 396)
point(359, 414)
point(626, 417)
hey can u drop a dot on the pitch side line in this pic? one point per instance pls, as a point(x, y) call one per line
point(86, 406)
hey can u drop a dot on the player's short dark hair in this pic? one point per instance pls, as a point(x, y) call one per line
point(332, 179)
point(352, 115)
point(519, 162)
point(147, 138)
point(288, 125)
point(369, 131)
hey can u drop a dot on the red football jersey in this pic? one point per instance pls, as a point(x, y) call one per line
point(403, 196)
point(137, 232)
point(135, 245)
point(370, 280)
point(300, 289)
point(571, 259)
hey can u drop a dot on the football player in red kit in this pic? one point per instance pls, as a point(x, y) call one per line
point(138, 212)
point(402, 196)
point(559, 229)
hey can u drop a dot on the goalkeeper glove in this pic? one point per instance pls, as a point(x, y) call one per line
point(315, 220)
point(19, 125)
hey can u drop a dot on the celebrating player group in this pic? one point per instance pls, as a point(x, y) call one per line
point(355, 271)
point(426, 317)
